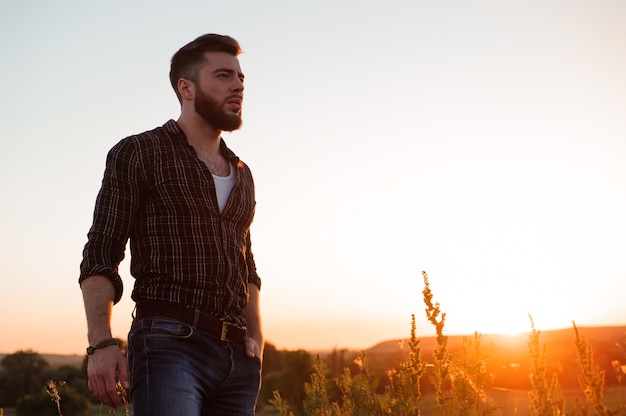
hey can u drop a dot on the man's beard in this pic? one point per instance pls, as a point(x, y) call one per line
point(209, 109)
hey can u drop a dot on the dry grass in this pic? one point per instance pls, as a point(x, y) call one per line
point(509, 402)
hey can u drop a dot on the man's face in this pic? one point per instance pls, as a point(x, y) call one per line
point(219, 93)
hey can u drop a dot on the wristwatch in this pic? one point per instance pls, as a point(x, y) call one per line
point(106, 343)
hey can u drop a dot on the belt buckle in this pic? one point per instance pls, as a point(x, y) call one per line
point(225, 328)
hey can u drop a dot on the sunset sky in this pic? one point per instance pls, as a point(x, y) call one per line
point(481, 141)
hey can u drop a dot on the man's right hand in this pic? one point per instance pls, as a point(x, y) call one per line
point(103, 365)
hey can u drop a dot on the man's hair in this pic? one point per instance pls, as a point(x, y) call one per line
point(187, 62)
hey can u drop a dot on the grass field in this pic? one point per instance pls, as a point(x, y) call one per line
point(515, 402)
point(510, 403)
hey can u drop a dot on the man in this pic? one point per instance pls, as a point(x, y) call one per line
point(186, 202)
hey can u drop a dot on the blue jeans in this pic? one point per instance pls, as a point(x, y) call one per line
point(177, 369)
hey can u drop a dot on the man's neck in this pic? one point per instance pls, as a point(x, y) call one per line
point(202, 136)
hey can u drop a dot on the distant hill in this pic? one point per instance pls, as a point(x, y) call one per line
point(57, 360)
point(595, 335)
point(508, 357)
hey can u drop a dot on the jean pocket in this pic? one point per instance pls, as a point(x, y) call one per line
point(167, 328)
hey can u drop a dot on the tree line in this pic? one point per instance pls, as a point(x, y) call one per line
point(28, 383)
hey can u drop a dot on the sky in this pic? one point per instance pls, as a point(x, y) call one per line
point(480, 141)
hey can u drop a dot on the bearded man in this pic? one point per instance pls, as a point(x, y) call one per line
point(186, 202)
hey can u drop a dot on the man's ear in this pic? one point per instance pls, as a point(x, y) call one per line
point(186, 89)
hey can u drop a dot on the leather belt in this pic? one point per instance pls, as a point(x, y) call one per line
point(225, 331)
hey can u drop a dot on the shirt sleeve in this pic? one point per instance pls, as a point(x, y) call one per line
point(114, 212)
point(253, 277)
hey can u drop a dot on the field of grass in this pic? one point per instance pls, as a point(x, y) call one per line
point(97, 411)
point(509, 402)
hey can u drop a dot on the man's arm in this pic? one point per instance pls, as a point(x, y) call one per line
point(252, 312)
point(98, 295)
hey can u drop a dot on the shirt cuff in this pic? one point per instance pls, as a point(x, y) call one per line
point(255, 279)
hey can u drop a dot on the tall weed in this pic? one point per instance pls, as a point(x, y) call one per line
point(591, 378)
point(545, 397)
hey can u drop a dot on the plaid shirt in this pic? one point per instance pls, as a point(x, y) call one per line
point(157, 192)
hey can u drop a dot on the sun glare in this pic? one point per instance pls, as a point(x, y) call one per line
point(512, 325)
point(504, 328)
point(505, 323)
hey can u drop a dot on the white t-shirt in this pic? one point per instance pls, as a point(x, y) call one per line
point(223, 186)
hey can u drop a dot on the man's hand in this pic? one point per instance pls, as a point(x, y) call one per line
point(104, 363)
point(254, 348)
point(103, 366)
point(252, 312)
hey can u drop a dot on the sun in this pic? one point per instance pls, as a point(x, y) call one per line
point(505, 322)
point(505, 329)
point(512, 332)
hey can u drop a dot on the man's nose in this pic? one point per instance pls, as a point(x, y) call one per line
point(238, 85)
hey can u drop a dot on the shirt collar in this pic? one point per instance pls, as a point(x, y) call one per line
point(177, 133)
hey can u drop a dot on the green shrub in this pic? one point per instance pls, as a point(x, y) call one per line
point(53, 401)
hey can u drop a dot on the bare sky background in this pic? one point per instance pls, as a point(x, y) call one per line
point(482, 141)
